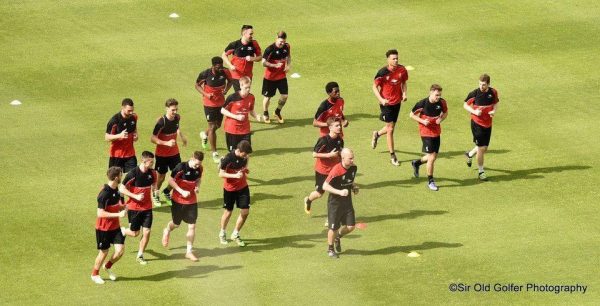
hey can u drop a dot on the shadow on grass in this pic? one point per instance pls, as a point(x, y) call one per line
point(280, 181)
point(283, 151)
point(199, 271)
point(428, 245)
point(444, 154)
point(413, 214)
point(302, 122)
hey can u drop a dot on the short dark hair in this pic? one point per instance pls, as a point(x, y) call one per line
point(113, 172)
point(332, 120)
point(246, 27)
point(171, 102)
point(485, 78)
point(281, 34)
point(127, 102)
point(435, 87)
point(390, 52)
point(147, 154)
point(216, 60)
point(244, 146)
point(330, 86)
point(199, 155)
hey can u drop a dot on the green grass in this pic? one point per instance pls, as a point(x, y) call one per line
point(535, 221)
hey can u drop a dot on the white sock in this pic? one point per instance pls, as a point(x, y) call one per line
point(189, 248)
point(480, 169)
point(215, 153)
point(140, 253)
point(235, 233)
point(222, 232)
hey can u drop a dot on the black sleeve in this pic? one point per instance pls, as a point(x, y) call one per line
point(321, 144)
point(202, 76)
point(178, 168)
point(417, 107)
point(109, 126)
point(160, 124)
point(341, 143)
point(268, 52)
point(225, 161)
point(322, 108)
point(381, 73)
point(130, 176)
point(472, 94)
point(232, 97)
point(231, 46)
point(102, 200)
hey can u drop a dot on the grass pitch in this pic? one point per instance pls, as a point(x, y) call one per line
point(71, 63)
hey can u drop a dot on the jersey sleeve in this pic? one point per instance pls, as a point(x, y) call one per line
point(404, 75)
point(111, 126)
point(252, 100)
point(496, 97)
point(257, 49)
point(378, 80)
point(129, 178)
point(335, 172)
point(470, 96)
point(102, 200)
point(228, 74)
point(177, 170)
point(268, 52)
point(225, 161)
point(321, 145)
point(444, 106)
point(322, 108)
point(228, 101)
point(160, 124)
point(230, 48)
point(202, 77)
point(417, 108)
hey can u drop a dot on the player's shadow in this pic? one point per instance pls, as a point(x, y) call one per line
point(428, 245)
point(280, 181)
point(510, 175)
point(282, 151)
point(302, 122)
point(199, 271)
point(413, 214)
point(255, 198)
point(397, 183)
point(444, 154)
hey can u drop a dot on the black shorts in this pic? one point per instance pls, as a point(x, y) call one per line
point(105, 238)
point(389, 113)
point(139, 218)
point(127, 163)
point(431, 144)
point(319, 180)
point(164, 164)
point(481, 135)
point(213, 114)
point(233, 140)
point(236, 84)
point(270, 87)
point(339, 213)
point(187, 213)
point(240, 197)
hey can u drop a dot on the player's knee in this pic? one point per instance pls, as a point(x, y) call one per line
point(350, 228)
point(244, 213)
point(119, 252)
point(146, 231)
point(191, 227)
point(135, 233)
point(281, 102)
point(284, 97)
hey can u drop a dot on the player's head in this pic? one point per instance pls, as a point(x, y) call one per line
point(243, 149)
point(392, 57)
point(172, 107)
point(245, 83)
point(127, 107)
point(281, 38)
point(332, 89)
point(484, 82)
point(347, 157)
point(147, 159)
point(247, 32)
point(196, 159)
point(435, 93)
point(114, 174)
point(217, 62)
point(335, 125)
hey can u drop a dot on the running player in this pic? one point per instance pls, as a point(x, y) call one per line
point(142, 180)
point(234, 169)
point(277, 60)
point(213, 83)
point(121, 131)
point(332, 107)
point(185, 180)
point(110, 209)
point(390, 89)
point(481, 103)
point(326, 154)
point(164, 136)
point(340, 211)
point(429, 113)
point(244, 52)
point(236, 109)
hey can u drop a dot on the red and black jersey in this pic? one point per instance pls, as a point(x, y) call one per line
point(326, 144)
point(122, 148)
point(136, 182)
point(390, 83)
point(166, 130)
point(110, 200)
point(214, 83)
point(187, 178)
point(327, 109)
point(432, 111)
point(274, 55)
point(484, 101)
point(232, 164)
point(238, 105)
point(239, 51)
point(341, 178)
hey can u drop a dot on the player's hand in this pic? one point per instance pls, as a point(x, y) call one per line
point(139, 197)
point(477, 112)
point(344, 193)
point(185, 193)
point(404, 97)
point(196, 189)
point(346, 123)
point(135, 136)
point(240, 117)
point(123, 213)
point(438, 120)
point(232, 68)
point(426, 122)
point(248, 58)
point(355, 189)
point(209, 96)
point(239, 175)
point(384, 101)
point(124, 134)
point(286, 68)
point(492, 113)
point(171, 143)
point(333, 153)
point(278, 65)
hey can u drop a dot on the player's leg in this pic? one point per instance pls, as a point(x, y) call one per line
point(282, 86)
point(389, 126)
point(211, 132)
point(349, 220)
point(190, 236)
point(333, 226)
point(172, 162)
point(173, 224)
point(268, 91)
point(146, 225)
point(317, 193)
point(266, 102)
point(243, 203)
point(119, 250)
point(97, 264)
point(430, 166)
point(229, 198)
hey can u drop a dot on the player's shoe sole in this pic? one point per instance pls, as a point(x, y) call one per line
point(415, 168)
point(469, 159)
point(97, 279)
point(111, 275)
point(307, 206)
point(374, 139)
